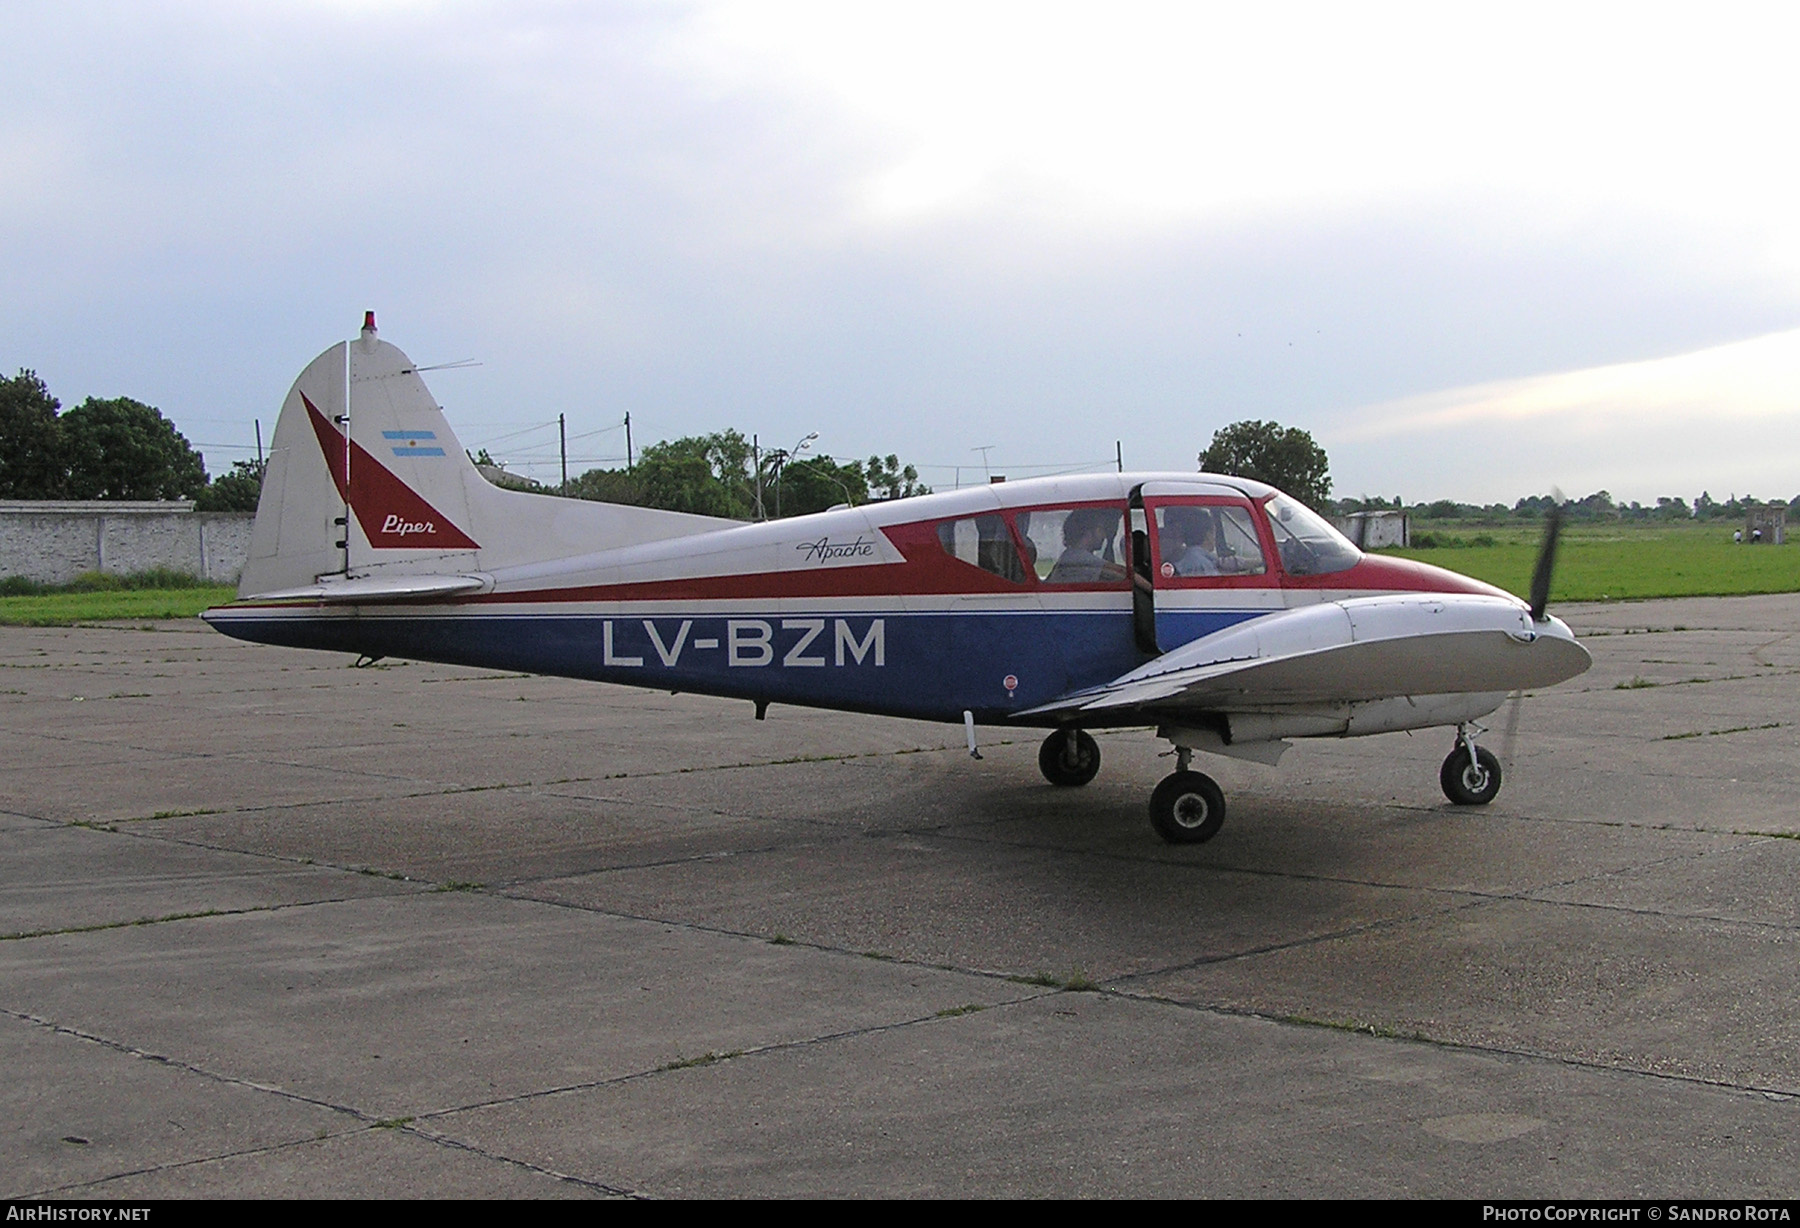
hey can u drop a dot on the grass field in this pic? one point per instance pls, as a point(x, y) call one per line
point(1618, 562)
point(67, 609)
point(102, 597)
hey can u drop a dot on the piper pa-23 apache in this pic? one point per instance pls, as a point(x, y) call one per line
point(1216, 609)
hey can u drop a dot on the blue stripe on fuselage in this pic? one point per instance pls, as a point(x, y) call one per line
point(924, 665)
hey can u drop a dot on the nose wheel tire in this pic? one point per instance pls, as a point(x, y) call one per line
point(1470, 784)
point(1187, 808)
point(1069, 757)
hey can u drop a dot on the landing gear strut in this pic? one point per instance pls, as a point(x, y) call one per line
point(1069, 757)
point(1470, 775)
point(1187, 807)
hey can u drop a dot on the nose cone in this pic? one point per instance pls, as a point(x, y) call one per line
point(1556, 655)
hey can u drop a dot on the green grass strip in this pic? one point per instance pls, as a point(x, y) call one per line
point(1615, 563)
point(68, 609)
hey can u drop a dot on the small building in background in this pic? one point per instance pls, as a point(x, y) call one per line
point(1378, 529)
point(1767, 524)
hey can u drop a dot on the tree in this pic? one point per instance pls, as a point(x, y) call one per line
point(888, 480)
point(715, 475)
point(237, 491)
point(708, 475)
point(124, 449)
point(31, 451)
point(607, 486)
point(1284, 457)
point(818, 483)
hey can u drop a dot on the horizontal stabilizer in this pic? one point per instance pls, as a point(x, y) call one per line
point(371, 590)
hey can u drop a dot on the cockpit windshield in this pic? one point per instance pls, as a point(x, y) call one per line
point(1309, 546)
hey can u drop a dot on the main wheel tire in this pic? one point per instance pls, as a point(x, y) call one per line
point(1187, 808)
point(1069, 757)
point(1470, 784)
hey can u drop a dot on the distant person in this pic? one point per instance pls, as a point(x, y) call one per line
point(1737, 535)
point(1755, 536)
point(1085, 532)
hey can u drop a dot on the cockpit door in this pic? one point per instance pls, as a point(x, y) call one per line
point(1204, 566)
point(1143, 570)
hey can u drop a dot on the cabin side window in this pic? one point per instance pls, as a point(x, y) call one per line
point(984, 542)
point(1078, 545)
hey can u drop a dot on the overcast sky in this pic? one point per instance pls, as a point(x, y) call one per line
point(1477, 252)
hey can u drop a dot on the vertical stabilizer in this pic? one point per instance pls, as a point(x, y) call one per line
point(299, 519)
point(365, 477)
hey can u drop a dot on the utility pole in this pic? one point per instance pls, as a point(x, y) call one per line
point(1119, 453)
point(756, 468)
point(259, 455)
point(628, 442)
point(562, 438)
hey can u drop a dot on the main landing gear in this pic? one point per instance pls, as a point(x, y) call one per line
point(1470, 775)
point(1186, 808)
point(1069, 757)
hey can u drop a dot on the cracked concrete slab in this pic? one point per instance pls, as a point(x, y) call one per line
point(413, 1004)
point(490, 837)
point(1691, 997)
point(371, 1162)
point(62, 878)
point(1080, 1095)
point(76, 1110)
point(991, 906)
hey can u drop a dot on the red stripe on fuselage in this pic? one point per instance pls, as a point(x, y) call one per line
point(929, 572)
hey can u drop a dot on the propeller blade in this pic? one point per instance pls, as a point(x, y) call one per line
point(1512, 730)
point(1546, 563)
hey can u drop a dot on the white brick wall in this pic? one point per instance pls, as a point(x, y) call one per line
point(53, 542)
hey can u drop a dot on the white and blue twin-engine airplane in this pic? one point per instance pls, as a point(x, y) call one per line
point(1215, 609)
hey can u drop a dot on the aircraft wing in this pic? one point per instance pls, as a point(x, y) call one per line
point(1359, 649)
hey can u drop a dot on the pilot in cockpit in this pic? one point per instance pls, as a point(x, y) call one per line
point(1189, 541)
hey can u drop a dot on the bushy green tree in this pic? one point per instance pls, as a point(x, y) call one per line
point(31, 452)
point(818, 482)
point(715, 475)
point(888, 479)
point(237, 491)
point(1284, 457)
point(607, 486)
point(124, 449)
point(708, 475)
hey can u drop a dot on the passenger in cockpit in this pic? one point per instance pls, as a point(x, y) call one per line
point(1085, 532)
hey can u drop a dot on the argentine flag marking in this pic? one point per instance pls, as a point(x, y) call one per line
point(413, 443)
